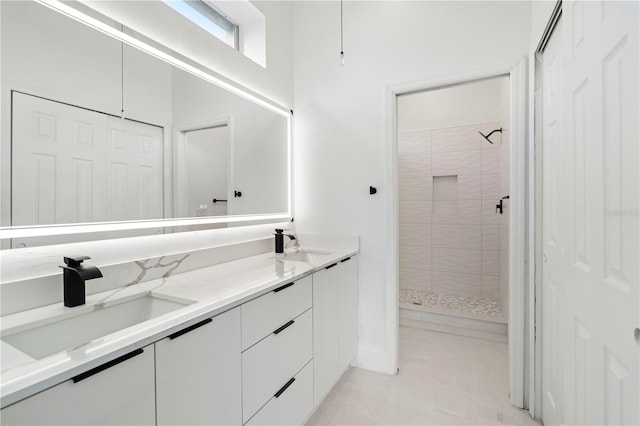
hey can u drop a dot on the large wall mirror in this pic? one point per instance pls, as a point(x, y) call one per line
point(99, 133)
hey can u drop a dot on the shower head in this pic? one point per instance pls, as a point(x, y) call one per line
point(487, 136)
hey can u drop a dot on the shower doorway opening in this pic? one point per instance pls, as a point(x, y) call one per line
point(453, 192)
point(507, 299)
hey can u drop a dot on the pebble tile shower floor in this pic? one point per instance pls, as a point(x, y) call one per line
point(443, 379)
point(453, 303)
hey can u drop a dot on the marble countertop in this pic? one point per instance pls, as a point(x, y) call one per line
point(210, 291)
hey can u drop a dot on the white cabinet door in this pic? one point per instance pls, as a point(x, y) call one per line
point(117, 393)
point(347, 312)
point(198, 373)
point(325, 331)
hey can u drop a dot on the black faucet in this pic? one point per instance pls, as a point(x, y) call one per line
point(74, 276)
point(280, 240)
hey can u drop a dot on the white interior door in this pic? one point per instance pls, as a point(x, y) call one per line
point(135, 177)
point(591, 185)
point(57, 171)
point(73, 165)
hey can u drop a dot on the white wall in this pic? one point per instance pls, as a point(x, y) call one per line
point(172, 30)
point(341, 144)
point(478, 102)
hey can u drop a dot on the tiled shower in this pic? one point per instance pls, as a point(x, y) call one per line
point(453, 241)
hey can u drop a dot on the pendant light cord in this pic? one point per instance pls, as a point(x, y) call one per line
point(341, 36)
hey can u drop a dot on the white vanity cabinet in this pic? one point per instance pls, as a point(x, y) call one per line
point(198, 373)
point(268, 361)
point(277, 331)
point(118, 392)
point(347, 312)
point(335, 323)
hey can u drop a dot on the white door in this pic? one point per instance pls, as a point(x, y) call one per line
point(135, 176)
point(57, 167)
point(591, 303)
point(73, 165)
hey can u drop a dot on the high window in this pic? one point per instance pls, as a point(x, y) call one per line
point(203, 14)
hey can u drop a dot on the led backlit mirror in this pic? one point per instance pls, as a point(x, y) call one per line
point(99, 135)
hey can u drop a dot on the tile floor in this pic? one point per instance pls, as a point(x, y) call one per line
point(443, 379)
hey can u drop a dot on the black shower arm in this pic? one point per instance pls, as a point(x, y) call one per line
point(489, 135)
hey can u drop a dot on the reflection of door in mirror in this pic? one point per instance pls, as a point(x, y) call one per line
point(63, 176)
point(206, 152)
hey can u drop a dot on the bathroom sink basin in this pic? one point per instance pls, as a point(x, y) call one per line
point(71, 330)
point(303, 255)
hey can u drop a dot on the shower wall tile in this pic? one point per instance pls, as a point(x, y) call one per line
point(416, 258)
point(450, 235)
point(489, 214)
point(457, 284)
point(491, 187)
point(413, 142)
point(457, 236)
point(490, 161)
point(415, 211)
point(416, 278)
point(467, 212)
point(415, 234)
point(491, 262)
point(458, 162)
point(464, 138)
point(490, 237)
point(444, 209)
point(457, 260)
point(491, 287)
point(412, 188)
point(415, 166)
point(469, 187)
point(496, 138)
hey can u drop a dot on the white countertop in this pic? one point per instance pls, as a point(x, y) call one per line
point(212, 290)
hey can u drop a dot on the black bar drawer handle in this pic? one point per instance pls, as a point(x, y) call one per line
point(290, 323)
point(283, 287)
point(284, 388)
point(344, 260)
point(106, 365)
point(331, 266)
point(190, 328)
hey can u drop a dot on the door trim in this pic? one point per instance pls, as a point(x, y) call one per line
point(516, 69)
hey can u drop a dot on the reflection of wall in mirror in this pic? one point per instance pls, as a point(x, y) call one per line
point(258, 142)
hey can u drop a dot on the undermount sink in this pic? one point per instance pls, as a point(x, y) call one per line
point(71, 330)
point(303, 255)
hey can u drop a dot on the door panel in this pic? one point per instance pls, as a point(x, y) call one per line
point(596, 268)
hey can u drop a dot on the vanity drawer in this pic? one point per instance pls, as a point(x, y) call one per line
point(293, 405)
point(269, 364)
point(264, 314)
